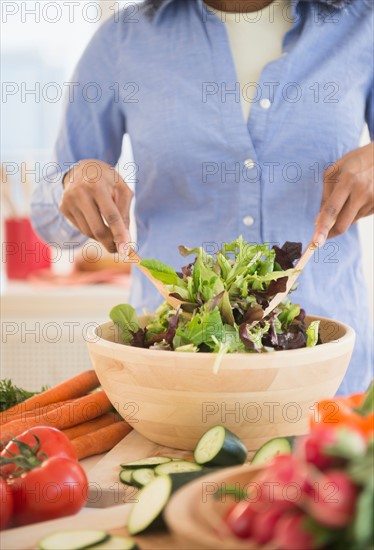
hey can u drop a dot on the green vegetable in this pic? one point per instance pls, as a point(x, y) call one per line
point(73, 539)
point(150, 462)
point(11, 395)
point(142, 476)
point(126, 318)
point(223, 295)
point(312, 334)
point(270, 449)
point(220, 447)
point(161, 271)
point(80, 539)
point(177, 466)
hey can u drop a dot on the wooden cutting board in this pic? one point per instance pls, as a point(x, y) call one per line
point(105, 489)
point(112, 520)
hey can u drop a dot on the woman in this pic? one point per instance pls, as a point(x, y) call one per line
point(225, 143)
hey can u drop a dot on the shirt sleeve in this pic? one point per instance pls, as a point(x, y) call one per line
point(93, 128)
point(370, 112)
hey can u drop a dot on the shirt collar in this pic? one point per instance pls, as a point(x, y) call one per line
point(341, 4)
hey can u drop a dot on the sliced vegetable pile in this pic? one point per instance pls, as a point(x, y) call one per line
point(223, 295)
point(159, 477)
point(78, 407)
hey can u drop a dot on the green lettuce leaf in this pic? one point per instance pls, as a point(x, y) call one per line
point(161, 272)
point(312, 334)
point(125, 317)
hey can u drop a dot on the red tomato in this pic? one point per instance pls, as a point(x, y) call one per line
point(6, 507)
point(53, 442)
point(55, 489)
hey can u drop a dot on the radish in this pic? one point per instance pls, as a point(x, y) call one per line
point(240, 519)
point(334, 501)
point(328, 447)
point(263, 528)
point(284, 479)
point(291, 534)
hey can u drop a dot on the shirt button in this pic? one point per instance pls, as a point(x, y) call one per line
point(265, 103)
point(248, 221)
point(249, 164)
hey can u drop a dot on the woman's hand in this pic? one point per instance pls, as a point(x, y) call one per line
point(93, 191)
point(348, 193)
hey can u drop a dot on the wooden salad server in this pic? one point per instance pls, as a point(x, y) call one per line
point(174, 302)
point(277, 299)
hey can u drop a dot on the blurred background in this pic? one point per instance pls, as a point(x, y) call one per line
point(41, 43)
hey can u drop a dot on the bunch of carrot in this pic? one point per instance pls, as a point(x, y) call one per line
point(77, 407)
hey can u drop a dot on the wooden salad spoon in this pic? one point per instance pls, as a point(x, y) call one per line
point(277, 299)
point(172, 300)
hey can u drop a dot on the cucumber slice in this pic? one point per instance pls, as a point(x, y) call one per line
point(142, 476)
point(220, 447)
point(117, 543)
point(126, 476)
point(270, 449)
point(146, 513)
point(150, 462)
point(182, 478)
point(73, 539)
point(177, 466)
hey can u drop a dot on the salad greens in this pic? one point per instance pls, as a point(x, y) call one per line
point(222, 296)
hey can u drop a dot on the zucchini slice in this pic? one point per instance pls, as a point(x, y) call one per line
point(142, 476)
point(146, 513)
point(180, 479)
point(177, 466)
point(117, 543)
point(73, 539)
point(126, 476)
point(220, 447)
point(272, 448)
point(150, 462)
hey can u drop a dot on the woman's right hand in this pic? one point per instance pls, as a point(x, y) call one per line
point(93, 191)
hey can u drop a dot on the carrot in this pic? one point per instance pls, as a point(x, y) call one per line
point(69, 414)
point(77, 386)
point(92, 425)
point(38, 411)
point(101, 440)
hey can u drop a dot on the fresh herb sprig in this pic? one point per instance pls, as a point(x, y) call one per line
point(11, 395)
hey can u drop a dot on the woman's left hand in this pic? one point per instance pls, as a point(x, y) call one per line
point(348, 193)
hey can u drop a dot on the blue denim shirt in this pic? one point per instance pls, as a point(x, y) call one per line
point(204, 175)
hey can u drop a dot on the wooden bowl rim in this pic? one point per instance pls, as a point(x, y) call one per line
point(346, 339)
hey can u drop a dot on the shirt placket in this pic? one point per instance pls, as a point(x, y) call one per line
point(243, 162)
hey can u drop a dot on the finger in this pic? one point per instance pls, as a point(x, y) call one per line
point(329, 213)
point(81, 223)
point(346, 216)
point(118, 224)
point(364, 212)
point(99, 230)
point(122, 198)
point(330, 179)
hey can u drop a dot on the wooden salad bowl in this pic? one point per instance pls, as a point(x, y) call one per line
point(172, 398)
